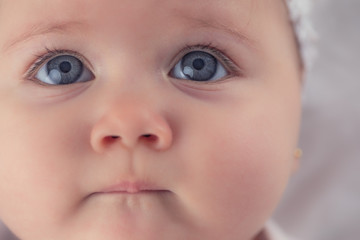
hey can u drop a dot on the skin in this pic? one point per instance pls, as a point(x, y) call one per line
point(221, 151)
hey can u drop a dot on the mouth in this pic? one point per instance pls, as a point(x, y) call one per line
point(128, 203)
point(128, 187)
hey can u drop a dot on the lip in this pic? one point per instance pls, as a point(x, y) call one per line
point(129, 187)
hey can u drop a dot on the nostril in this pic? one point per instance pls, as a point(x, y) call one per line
point(150, 137)
point(145, 138)
point(110, 139)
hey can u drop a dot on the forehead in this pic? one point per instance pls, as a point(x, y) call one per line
point(78, 7)
point(240, 15)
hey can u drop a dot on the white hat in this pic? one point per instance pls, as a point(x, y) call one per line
point(300, 15)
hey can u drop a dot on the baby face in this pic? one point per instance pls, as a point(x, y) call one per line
point(145, 119)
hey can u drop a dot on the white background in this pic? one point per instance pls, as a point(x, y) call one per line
point(323, 199)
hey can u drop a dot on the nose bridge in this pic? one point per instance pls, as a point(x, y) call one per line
point(131, 115)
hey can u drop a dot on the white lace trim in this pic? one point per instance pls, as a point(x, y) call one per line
point(274, 232)
point(300, 15)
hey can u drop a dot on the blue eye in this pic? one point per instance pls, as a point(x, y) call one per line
point(64, 69)
point(199, 66)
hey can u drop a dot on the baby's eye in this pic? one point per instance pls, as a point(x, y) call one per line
point(64, 69)
point(199, 66)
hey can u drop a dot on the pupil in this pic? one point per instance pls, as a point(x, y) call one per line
point(198, 64)
point(65, 67)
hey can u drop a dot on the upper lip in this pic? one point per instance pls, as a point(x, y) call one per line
point(132, 187)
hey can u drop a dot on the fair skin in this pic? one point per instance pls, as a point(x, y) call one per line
point(189, 159)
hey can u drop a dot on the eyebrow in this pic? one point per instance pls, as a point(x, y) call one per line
point(40, 29)
point(236, 33)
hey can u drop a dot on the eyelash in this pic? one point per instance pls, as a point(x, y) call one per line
point(49, 54)
point(220, 54)
point(209, 47)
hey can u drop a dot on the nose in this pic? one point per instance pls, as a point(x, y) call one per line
point(129, 125)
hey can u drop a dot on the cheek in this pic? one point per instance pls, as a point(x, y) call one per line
point(240, 166)
point(38, 165)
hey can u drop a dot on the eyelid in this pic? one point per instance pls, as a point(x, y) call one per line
point(219, 54)
point(49, 55)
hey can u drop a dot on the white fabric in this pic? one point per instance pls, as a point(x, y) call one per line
point(300, 16)
point(273, 232)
